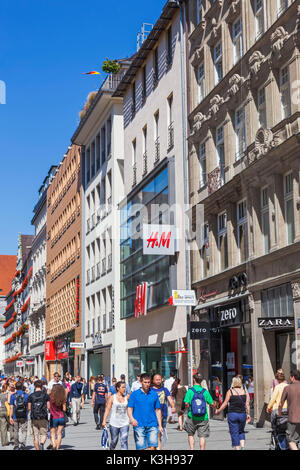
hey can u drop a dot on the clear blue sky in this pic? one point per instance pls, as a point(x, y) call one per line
point(45, 45)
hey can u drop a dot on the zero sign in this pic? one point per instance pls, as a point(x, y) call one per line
point(228, 314)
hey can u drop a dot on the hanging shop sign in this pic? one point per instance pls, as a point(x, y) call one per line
point(29, 362)
point(141, 297)
point(199, 330)
point(159, 239)
point(277, 323)
point(184, 297)
point(20, 364)
point(77, 345)
point(49, 350)
point(229, 315)
point(62, 351)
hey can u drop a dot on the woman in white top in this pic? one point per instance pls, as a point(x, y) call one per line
point(118, 421)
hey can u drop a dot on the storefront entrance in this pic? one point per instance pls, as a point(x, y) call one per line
point(284, 351)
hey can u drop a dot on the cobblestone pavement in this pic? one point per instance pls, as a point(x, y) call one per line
point(86, 437)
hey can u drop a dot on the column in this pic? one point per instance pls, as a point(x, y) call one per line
point(296, 347)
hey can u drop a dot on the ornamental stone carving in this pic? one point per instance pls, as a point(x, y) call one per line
point(264, 142)
point(215, 104)
point(255, 62)
point(198, 121)
point(235, 83)
point(197, 56)
point(278, 39)
point(295, 290)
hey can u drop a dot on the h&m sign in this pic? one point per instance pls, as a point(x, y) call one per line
point(275, 322)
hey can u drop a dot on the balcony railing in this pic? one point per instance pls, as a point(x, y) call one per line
point(103, 272)
point(104, 322)
point(111, 321)
point(109, 262)
point(134, 175)
point(145, 169)
point(93, 274)
point(171, 136)
point(98, 270)
point(157, 150)
point(98, 215)
point(88, 226)
point(93, 221)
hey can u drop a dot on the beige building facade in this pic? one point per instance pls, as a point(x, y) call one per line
point(243, 76)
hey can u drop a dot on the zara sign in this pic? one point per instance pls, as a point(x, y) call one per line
point(269, 323)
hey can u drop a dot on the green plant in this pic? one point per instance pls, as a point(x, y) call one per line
point(111, 66)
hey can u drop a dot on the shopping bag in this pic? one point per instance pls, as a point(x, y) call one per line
point(105, 439)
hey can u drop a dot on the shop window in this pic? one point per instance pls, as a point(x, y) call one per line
point(277, 301)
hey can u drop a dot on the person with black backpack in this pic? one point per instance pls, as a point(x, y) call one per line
point(196, 400)
point(38, 405)
point(18, 416)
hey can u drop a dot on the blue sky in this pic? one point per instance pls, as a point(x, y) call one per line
point(45, 45)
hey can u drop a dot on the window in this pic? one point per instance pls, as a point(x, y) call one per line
point(259, 17)
point(240, 132)
point(170, 123)
point(204, 251)
point(261, 106)
point(169, 47)
point(237, 39)
point(134, 151)
point(281, 6)
point(202, 161)
point(289, 207)
point(201, 83)
point(155, 66)
point(242, 231)
point(217, 51)
point(144, 90)
point(199, 11)
point(277, 301)
point(222, 241)
point(285, 92)
point(133, 100)
point(220, 152)
point(265, 221)
point(156, 136)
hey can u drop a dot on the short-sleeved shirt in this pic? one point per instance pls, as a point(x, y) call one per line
point(13, 400)
point(55, 411)
point(163, 394)
point(144, 406)
point(37, 395)
point(100, 391)
point(112, 390)
point(189, 397)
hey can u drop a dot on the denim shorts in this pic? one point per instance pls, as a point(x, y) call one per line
point(54, 423)
point(145, 437)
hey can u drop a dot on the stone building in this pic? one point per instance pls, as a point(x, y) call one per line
point(243, 74)
point(7, 271)
point(63, 275)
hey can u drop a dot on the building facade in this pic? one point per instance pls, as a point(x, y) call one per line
point(37, 311)
point(7, 271)
point(243, 67)
point(100, 133)
point(156, 332)
point(63, 274)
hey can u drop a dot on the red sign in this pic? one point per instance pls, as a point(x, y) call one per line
point(159, 239)
point(49, 351)
point(140, 305)
point(62, 349)
point(154, 241)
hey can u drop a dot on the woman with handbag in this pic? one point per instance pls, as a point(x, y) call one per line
point(238, 413)
point(178, 392)
point(4, 422)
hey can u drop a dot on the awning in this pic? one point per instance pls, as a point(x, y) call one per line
point(222, 300)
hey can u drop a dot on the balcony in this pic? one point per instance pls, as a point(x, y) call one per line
point(170, 136)
point(157, 151)
point(145, 169)
point(109, 262)
point(103, 272)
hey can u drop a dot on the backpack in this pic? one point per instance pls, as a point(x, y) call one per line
point(38, 410)
point(20, 406)
point(198, 404)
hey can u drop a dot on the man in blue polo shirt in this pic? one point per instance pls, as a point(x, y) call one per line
point(145, 415)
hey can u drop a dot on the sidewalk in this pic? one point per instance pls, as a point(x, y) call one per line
point(86, 437)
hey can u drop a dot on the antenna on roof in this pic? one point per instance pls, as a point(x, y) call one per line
point(143, 34)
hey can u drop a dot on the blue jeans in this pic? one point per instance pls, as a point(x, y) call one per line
point(145, 437)
point(114, 434)
point(237, 422)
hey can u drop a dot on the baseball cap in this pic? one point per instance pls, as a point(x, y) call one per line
point(122, 376)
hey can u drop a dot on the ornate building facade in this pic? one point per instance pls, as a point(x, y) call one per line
point(243, 74)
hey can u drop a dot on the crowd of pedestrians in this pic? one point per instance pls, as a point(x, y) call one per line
point(148, 405)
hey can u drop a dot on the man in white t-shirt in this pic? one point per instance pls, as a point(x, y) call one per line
point(137, 384)
point(56, 380)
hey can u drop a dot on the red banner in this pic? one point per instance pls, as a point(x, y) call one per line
point(140, 305)
point(49, 351)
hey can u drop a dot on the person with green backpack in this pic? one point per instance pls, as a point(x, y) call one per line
point(196, 401)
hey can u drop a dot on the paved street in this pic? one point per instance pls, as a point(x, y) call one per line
point(85, 437)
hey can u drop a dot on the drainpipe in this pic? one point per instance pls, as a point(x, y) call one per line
point(185, 182)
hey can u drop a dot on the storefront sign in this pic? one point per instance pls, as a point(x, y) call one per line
point(20, 364)
point(184, 297)
point(159, 239)
point(268, 323)
point(229, 315)
point(140, 304)
point(199, 330)
point(29, 362)
point(77, 345)
point(49, 350)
